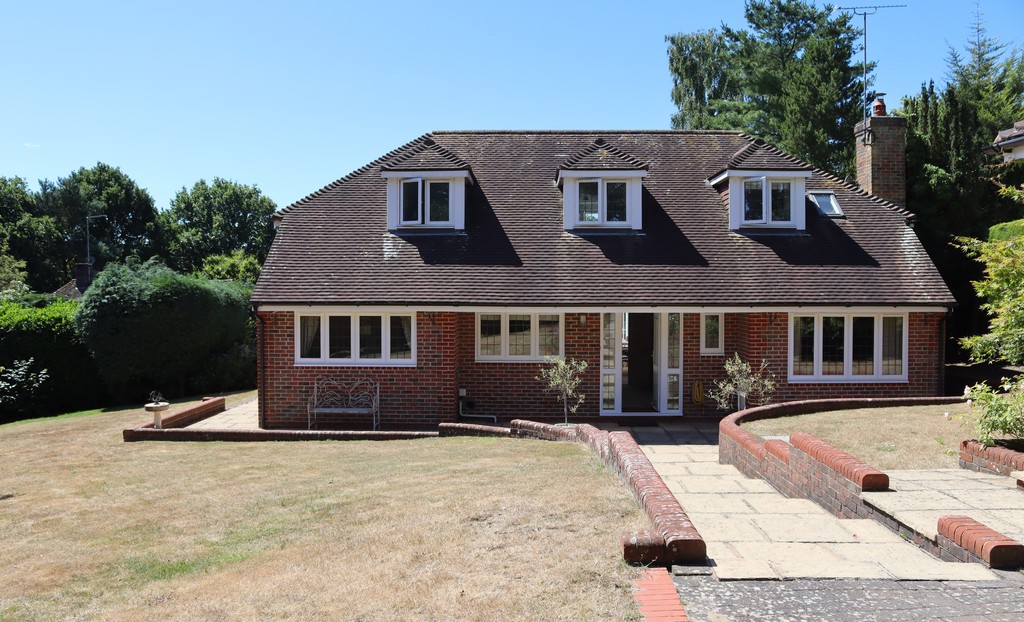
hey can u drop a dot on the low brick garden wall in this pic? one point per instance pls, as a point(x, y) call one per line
point(809, 468)
point(996, 460)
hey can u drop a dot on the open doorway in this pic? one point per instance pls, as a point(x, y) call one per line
point(638, 363)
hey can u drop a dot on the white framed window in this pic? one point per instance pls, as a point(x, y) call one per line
point(355, 339)
point(767, 201)
point(826, 203)
point(426, 202)
point(518, 336)
point(603, 202)
point(712, 341)
point(602, 199)
point(847, 347)
point(426, 199)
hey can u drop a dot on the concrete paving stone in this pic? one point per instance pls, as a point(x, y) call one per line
point(835, 569)
point(713, 468)
point(802, 528)
point(774, 503)
point(912, 500)
point(925, 522)
point(756, 485)
point(865, 530)
point(708, 503)
point(996, 499)
point(706, 483)
point(811, 552)
point(732, 528)
point(929, 475)
point(745, 570)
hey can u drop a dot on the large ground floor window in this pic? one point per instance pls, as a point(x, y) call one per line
point(828, 347)
point(518, 336)
point(355, 338)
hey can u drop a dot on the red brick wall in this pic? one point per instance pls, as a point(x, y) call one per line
point(764, 336)
point(425, 395)
point(410, 397)
point(511, 390)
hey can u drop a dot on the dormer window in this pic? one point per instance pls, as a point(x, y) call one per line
point(602, 199)
point(765, 199)
point(426, 200)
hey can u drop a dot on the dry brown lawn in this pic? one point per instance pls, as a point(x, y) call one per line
point(915, 437)
point(93, 528)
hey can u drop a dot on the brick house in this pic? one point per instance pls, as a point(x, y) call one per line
point(457, 262)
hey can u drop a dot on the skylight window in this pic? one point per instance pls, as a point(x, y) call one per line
point(826, 203)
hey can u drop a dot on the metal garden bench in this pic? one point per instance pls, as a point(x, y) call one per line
point(334, 397)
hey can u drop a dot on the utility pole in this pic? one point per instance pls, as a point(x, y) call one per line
point(864, 11)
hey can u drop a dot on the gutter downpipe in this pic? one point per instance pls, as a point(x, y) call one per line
point(262, 389)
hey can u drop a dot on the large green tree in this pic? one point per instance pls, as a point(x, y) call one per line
point(126, 231)
point(216, 218)
point(953, 186)
point(791, 78)
point(34, 239)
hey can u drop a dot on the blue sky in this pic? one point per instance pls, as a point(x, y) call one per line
point(292, 95)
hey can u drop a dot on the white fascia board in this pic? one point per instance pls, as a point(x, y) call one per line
point(774, 174)
point(427, 175)
point(603, 173)
point(472, 308)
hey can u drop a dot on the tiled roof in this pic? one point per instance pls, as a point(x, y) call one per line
point(426, 155)
point(333, 247)
point(758, 155)
point(1014, 132)
point(600, 155)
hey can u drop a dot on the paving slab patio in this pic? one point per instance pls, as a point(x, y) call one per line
point(754, 532)
point(918, 498)
point(244, 416)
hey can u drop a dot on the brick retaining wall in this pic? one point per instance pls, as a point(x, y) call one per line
point(997, 460)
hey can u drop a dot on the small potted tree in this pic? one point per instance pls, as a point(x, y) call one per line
point(563, 378)
point(745, 383)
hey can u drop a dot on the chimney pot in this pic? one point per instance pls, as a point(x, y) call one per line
point(878, 108)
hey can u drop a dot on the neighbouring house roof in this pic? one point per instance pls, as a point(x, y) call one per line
point(68, 291)
point(1007, 140)
point(334, 247)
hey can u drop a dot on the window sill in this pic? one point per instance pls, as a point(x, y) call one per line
point(362, 363)
point(425, 230)
point(712, 352)
point(583, 230)
point(512, 360)
point(847, 379)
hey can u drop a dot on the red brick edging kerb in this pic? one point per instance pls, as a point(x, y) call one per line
point(995, 459)
point(173, 428)
point(965, 539)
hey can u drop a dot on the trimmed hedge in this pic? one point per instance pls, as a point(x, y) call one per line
point(152, 329)
point(49, 336)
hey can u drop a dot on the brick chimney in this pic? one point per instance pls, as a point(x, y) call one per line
point(882, 155)
point(83, 276)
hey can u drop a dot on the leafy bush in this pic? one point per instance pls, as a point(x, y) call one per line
point(149, 327)
point(748, 385)
point(1001, 414)
point(49, 336)
point(238, 266)
point(19, 386)
point(1006, 231)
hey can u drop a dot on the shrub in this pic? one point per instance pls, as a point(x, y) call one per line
point(746, 384)
point(1001, 414)
point(49, 336)
point(19, 386)
point(151, 328)
point(1006, 231)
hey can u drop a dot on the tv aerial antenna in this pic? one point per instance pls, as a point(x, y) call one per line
point(864, 11)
